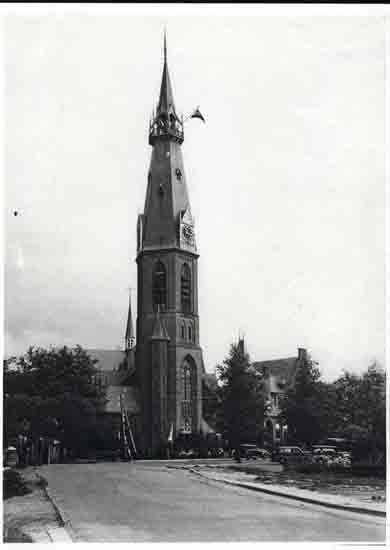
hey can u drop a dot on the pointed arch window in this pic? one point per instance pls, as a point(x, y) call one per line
point(186, 289)
point(186, 380)
point(160, 286)
point(187, 396)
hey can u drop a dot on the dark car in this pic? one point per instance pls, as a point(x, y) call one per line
point(324, 454)
point(252, 451)
point(292, 455)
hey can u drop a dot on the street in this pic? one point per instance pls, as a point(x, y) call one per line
point(148, 502)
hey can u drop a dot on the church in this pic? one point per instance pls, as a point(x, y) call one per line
point(160, 379)
point(160, 376)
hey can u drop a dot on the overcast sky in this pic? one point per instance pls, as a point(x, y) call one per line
point(286, 178)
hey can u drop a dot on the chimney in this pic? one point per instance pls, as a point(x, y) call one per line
point(241, 346)
point(302, 354)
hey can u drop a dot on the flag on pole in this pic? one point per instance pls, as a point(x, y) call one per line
point(197, 114)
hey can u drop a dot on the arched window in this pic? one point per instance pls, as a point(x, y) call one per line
point(160, 286)
point(186, 289)
point(183, 332)
point(190, 333)
point(186, 380)
point(187, 396)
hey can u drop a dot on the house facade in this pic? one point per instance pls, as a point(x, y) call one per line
point(278, 376)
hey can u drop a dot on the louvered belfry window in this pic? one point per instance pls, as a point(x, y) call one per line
point(186, 289)
point(160, 286)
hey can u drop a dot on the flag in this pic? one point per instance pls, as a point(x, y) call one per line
point(197, 114)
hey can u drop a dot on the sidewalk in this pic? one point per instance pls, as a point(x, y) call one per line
point(303, 495)
point(33, 514)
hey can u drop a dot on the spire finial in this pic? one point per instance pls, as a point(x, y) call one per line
point(165, 44)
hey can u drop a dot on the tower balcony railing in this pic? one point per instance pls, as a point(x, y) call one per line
point(158, 129)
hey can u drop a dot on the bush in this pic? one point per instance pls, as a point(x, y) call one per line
point(14, 484)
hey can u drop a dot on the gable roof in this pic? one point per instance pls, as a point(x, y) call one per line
point(276, 366)
point(279, 372)
point(107, 359)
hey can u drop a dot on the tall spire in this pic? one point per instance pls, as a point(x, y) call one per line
point(166, 103)
point(129, 337)
point(166, 122)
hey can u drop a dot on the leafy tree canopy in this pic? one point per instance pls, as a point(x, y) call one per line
point(52, 393)
point(241, 398)
point(304, 404)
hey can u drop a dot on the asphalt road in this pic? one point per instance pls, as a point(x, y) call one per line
point(120, 502)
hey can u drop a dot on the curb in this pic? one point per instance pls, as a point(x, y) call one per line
point(274, 492)
point(62, 516)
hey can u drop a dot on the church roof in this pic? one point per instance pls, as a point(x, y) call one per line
point(130, 396)
point(107, 359)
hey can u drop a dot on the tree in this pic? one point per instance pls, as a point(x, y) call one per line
point(241, 398)
point(53, 392)
point(55, 372)
point(360, 412)
point(304, 407)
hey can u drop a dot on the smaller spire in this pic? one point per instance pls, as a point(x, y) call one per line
point(129, 336)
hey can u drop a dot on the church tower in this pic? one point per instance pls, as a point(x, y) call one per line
point(169, 364)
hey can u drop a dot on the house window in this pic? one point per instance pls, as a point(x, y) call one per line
point(275, 399)
point(186, 289)
point(160, 286)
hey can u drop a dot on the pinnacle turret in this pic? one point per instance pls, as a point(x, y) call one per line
point(129, 336)
point(159, 330)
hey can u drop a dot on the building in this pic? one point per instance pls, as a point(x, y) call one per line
point(162, 375)
point(278, 376)
point(169, 363)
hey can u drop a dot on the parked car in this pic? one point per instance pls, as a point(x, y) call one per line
point(324, 454)
point(330, 455)
point(187, 454)
point(263, 453)
point(343, 459)
point(292, 455)
point(252, 451)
